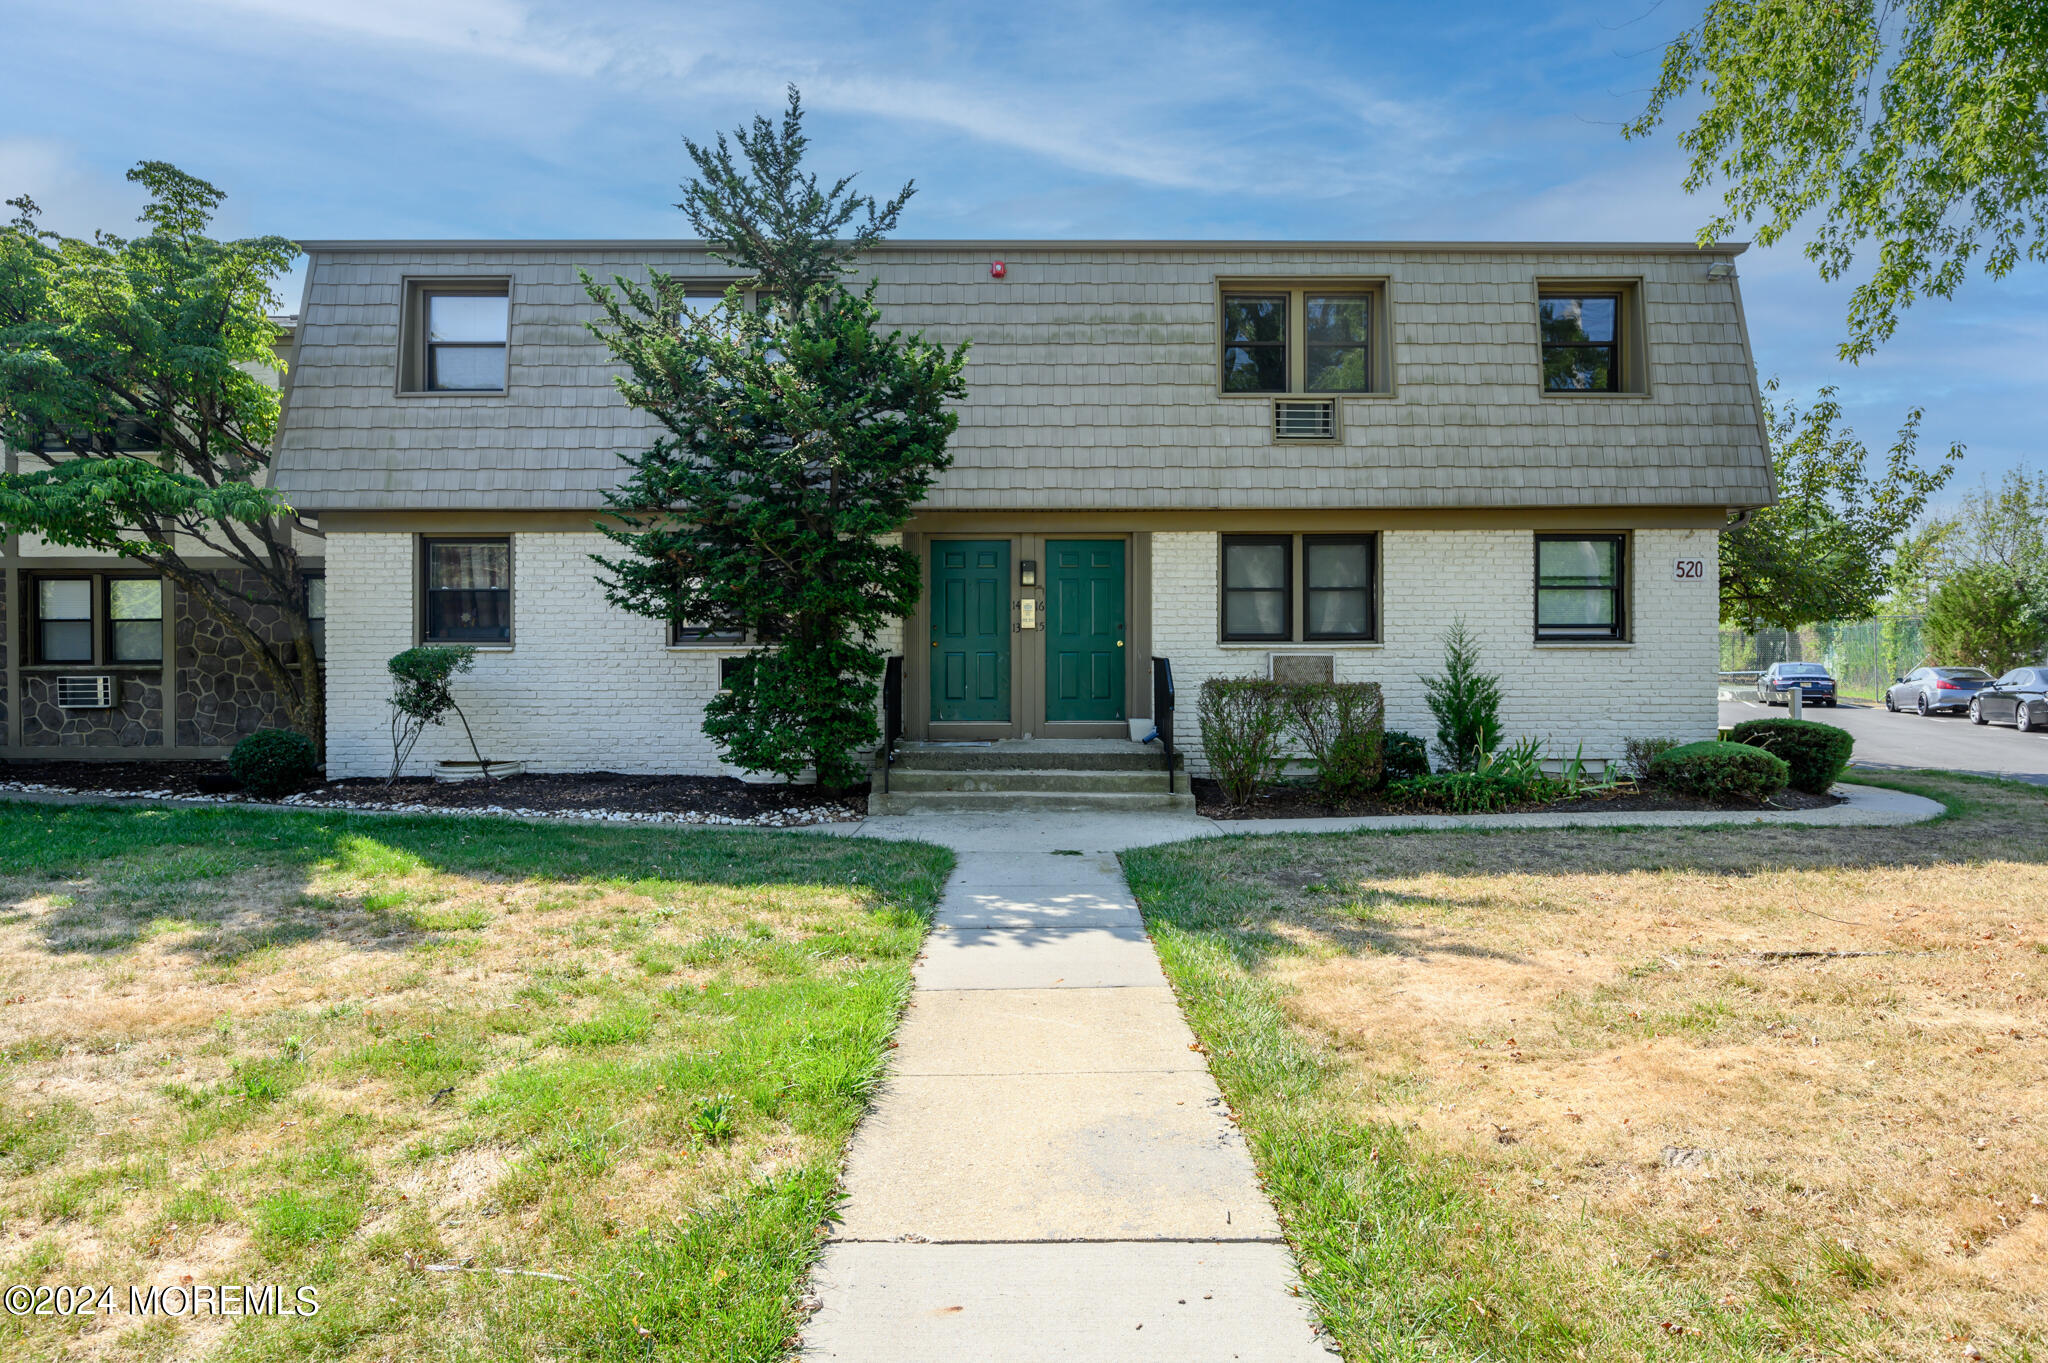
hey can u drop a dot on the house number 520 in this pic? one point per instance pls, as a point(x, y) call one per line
point(1690, 570)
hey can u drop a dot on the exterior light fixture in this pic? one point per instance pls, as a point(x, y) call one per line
point(1721, 269)
point(1027, 572)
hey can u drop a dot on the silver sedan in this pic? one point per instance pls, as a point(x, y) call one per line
point(1928, 689)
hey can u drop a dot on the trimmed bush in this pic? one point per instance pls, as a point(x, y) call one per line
point(1340, 723)
point(1404, 755)
point(274, 761)
point(1242, 721)
point(1248, 722)
point(1817, 753)
point(1721, 771)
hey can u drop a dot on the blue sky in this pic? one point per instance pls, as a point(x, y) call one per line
point(487, 118)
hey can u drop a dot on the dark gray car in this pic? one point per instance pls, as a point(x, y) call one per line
point(1927, 689)
point(2019, 698)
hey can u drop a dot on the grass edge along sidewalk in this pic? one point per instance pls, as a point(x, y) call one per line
point(338, 1050)
point(1451, 1152)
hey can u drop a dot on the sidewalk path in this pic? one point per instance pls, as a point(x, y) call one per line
point(1050, 1172)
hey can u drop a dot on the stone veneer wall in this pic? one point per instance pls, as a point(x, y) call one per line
point(136, 721)
point(222, 693)
point(1660, 683)
point(584, 686)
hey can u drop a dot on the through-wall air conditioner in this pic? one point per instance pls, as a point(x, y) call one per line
point(1301, 667)
point(1304, 418)
point(85, 693)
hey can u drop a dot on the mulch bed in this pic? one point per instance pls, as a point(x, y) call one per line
point(596, 793)
point(1289, 802)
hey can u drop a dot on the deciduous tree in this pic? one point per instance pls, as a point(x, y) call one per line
point(129, 383)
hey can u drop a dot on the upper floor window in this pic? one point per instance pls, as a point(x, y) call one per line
point(1579, 587)
point(468, 588)
point(1581, 342)
point(1310, 339)
point(457, 335)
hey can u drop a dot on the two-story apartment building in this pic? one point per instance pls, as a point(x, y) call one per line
point(1219, 453)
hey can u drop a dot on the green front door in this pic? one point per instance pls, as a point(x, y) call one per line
point(1084, 630)
point(971, 631)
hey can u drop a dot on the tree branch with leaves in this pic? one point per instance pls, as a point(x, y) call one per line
point(129, 379)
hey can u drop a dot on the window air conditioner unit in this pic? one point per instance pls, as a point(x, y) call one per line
point(85, 693)
point(1301, 667)
point(1305, 419)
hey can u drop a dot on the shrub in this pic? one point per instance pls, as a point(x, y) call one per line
point(422, 694)
point(1465, 701)
point(1815, 752)
point(1721, 771)
point(1638, 753)
point(1514, 778)
point(1243, 720)
point(1340, 723)
point(1404, 755)
point(274, 761)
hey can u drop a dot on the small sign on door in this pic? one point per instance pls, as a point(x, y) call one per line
point(1690, 570)
point(1027, 613)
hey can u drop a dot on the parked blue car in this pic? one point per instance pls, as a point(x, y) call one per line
point(1810, 680)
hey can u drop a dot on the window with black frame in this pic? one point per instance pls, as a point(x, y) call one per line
point(1581, 342)
point(1255, 343)
point(468, 591)
point(63, 609)
point(1579, 587)
point(316, 612)
point(466, 334)
point(135, 620)
point(1258, 581)
point(1337, 586)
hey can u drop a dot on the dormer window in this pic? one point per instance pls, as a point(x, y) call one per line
point(1307, 339)
point(457, 337)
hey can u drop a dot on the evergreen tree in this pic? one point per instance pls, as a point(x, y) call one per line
point(796, 438)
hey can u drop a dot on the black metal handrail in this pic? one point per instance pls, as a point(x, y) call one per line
point(1162, 712)
point(892, 715)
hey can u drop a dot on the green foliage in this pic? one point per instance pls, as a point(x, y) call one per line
point(794, 438)
point(1405, 755)
point(130, 388)
point(1465, 701)
point(1985, 616)
point(1244, 725)
point(1721, 771)
point(1638, 753)
point(422, 693)
point(1509, 780)
point(1816, 753)
point(274, 761)
point(1822, 551)
point(1918, 128)
point(1341, 725)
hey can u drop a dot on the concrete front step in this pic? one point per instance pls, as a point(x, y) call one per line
point(1038, 780)
point(1021, 754)
point(899, 801)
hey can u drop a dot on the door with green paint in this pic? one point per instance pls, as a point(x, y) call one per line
point(971, 631)
point(1084, 630)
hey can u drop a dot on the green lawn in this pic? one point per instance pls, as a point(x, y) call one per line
point(607, 1075)
point(1735, 1093)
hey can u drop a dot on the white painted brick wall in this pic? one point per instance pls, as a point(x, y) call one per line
point(585, 686)
point(1661, 684)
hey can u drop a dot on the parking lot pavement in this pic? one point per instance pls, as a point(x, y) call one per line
point(1943, 742)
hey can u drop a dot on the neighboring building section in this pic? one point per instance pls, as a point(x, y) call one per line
point(100, 658)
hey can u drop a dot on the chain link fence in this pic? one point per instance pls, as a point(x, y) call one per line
point(1865, 656)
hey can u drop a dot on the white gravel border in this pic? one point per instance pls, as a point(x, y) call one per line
point(795, 817)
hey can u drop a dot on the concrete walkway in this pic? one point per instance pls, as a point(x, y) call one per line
point(1050, 1172)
